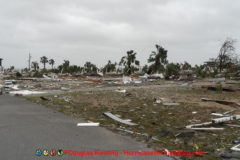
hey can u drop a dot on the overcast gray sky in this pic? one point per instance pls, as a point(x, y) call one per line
point(98, 30)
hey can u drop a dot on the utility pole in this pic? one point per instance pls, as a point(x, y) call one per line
point(29, 62)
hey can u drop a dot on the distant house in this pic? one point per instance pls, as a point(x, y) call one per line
point(211, 64)
point(186, 75)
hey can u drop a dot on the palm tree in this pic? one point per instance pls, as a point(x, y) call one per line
point(186, 66)
point(44, 60)
point(109, 67)
point(159, 58)
point(87, 67)
point(90, 68)
point(35, 66)
point(128, 60)
point(66, 65)
point(51, 62)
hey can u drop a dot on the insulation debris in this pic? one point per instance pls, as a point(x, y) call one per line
point(127, 80)
point(88, 124)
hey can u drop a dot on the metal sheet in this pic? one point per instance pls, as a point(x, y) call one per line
point(110, 115)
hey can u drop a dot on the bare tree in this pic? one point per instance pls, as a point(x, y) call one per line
point(226, 53)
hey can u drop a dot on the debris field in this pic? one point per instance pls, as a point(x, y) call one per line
point(172, 115)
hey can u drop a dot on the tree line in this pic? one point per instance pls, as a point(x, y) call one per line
point(226, 61)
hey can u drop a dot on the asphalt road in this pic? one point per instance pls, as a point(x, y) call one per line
point(26, 127)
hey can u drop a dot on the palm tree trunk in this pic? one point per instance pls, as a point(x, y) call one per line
point(129, 69)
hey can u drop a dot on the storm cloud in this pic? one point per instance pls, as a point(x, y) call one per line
point(96, 31)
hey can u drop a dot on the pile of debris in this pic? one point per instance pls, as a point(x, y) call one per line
point(223, 120)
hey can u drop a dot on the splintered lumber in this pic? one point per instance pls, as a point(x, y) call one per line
point(225, 119)
point(232, 104)
point(194, 126)
point(110, 115)
point(214, 121)
point(208, 129)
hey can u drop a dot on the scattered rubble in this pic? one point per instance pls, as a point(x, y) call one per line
point(214, 121)
point(156, 119)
